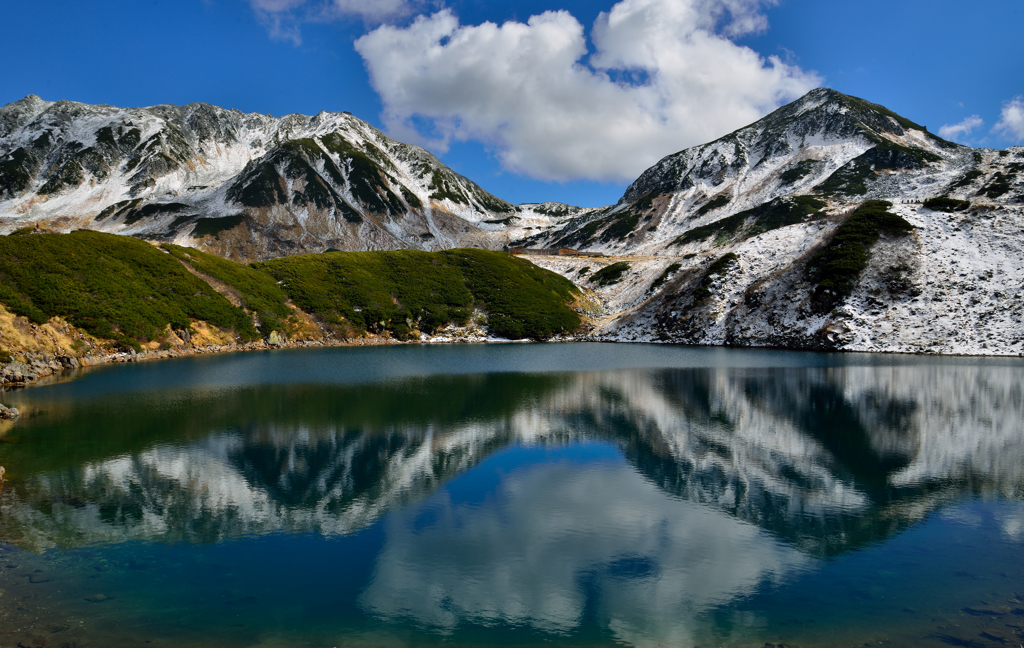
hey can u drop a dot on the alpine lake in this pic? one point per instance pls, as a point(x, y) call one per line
point(517, 495)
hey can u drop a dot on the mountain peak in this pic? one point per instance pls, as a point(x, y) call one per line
point(30, 102)
point(242, 184)
point(17, 113)
point(821, 118)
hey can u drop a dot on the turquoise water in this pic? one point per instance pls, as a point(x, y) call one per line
point(579, 494)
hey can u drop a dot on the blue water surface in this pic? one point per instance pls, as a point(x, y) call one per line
point(518, 494)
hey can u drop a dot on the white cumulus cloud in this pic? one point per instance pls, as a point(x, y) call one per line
point(663, 75)
point(1011, 120)
point(283, 17)
point(956, 131)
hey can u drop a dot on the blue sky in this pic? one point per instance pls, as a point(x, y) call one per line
point(522, 110)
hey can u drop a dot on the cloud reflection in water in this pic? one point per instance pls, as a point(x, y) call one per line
point(550, 536)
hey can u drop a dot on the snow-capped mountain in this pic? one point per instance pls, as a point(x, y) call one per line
point(246, 186)
point(722, 240)
point(826, 143)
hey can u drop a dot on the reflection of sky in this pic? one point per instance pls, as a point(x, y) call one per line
point(528, 554)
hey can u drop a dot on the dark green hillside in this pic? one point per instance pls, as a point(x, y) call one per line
point(113, 287)
point(836, 269)
point(521, 300)
point(777, 213)
point(610, 274)
point(122, 289)
point(397, 292)
point(259, 291)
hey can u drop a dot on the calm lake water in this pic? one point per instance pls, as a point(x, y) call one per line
point(580, 494)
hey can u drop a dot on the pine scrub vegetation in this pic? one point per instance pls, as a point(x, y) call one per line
point(131, 292)
point(836, 269)
point(113, 287)
point(406, 291)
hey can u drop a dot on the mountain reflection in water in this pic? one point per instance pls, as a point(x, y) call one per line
point(732, 478)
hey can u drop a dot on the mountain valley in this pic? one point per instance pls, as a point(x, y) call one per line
point(830, 224)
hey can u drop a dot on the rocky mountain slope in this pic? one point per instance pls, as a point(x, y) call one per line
point(737, 242)
point(245, 186)
point(741, 241)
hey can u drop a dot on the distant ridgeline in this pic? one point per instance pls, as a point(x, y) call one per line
point(133, 293)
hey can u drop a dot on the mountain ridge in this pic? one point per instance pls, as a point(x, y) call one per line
point(283, 185)
point(717, 244)
point(825, 143)
point(721, 235)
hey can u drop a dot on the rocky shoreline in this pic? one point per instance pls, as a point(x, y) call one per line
point(39, 368)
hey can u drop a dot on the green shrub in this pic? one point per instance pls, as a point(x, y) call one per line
point(259, 291)
point(851, 179)
point(836, 269)
point(946, 204)
point(968, 178)
point(444, 188)
point(621, 227)
point(998, 186)
point(396, 292)
point(214, 226)
point(5, 356)
point(779, 212)
point(717, 268)
point(802, 169)
point(114, 287)
point(521, 299)
point(711, 205)
point(582, 235)
point(118, 207)
point(723, 228)
point(610, 274)
point(663, 277)
point(646, 202)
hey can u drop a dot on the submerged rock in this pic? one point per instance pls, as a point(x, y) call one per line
point(986, 610)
